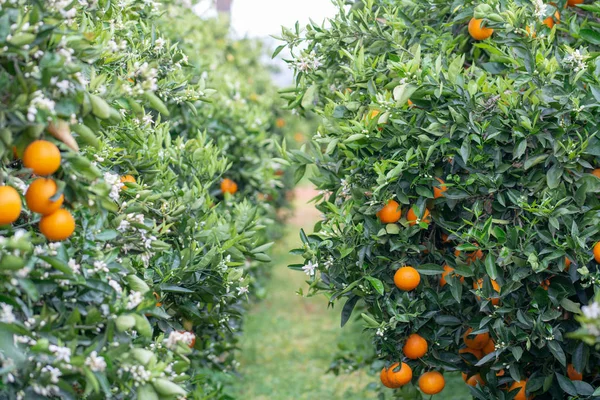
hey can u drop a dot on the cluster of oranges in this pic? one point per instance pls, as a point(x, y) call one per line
point(399, 374)
point(43, 159)
point(478, 32)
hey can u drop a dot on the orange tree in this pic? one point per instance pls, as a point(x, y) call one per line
point(457, 160)
point(124, 269)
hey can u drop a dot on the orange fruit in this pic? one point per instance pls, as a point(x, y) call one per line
point(10, 205)
point(58, 225)
point(476, 255)
point(597, 252)
point(432, 382)
point(280, 122)
point(127, 179)
point(489, 347)
point(407, 278)
point(500, 373)
point(567, 263)
point(495, 301)
point(400, 377)
point(299, 137)
point(573, 3)
point(438, 190)
point(573, 374)
point(596, 172)
point(445, 238)
point(477, 353)
point(478, 342)
point(521, 394)
point(549, 21)
point(385, 379)
point(412, 218)
point(410, 103)
point(477, 32)
point(545, 284)
point(42, 157)
point(374, 113)
point(390, 213)
point(530, 31)
point(415, 347)
point(38, 196)
point(473, 380)
point(447, 270)
point(157, 297)
point(228, 186)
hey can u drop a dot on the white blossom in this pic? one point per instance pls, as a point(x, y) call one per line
point(61, 353)
point(310, 268)
point(6, 313)
point(175, 337)
point(592, 311)
point(95, 362)
point(242, 290)
point(134, 299)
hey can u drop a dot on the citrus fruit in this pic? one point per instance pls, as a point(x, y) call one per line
point(390, 213)
point(597, 252)
point(495, 301)
point(438, 190)
point(489, 347)
point(407, 278)
point(550, 22)
point(473, 380)
point(477, 353)
point(596, 172)
point(39, 194)
point(432, 382)
point(477, 32)
point(57, 226)
point(573, 3)
point(400, 377)
point(385, 380)
point(573, 374)
point(42, 157)
point(448, 270)
point(412, 218)
point(476, 342)
point(415, 347)
point(127, 179)
point(567, 263)
point(521, 394)
point(228, 186)
point(10, 205)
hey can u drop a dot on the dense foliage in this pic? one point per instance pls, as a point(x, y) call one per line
point(490, 149)
point(147, 293)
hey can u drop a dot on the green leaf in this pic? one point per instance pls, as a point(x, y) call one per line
point(376, 283)
point(490, 266)
point(310, 98)
point(590, 36)
point(429, 269)
point(570, 306)
point(557, 352)
point(535, 160)
point(348, 308)
point(566, 384)
point(553, 176)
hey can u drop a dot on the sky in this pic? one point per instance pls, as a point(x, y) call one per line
point(264, 18)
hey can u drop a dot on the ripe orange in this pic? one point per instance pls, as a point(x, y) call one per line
point(473, 380)
point(478, 342)
point(299, 137)
point(477, 32)
point(477, 353)
point(597, 252)
point(407, 278)
point(400, 377)
point(521, 394)
point(489, 347)
point(567, 263)
point(438, 190)
point(415, 347)
point(573, 3)
point(410, 103)
point(412, 218)
point(447, 270)
point(549, 21)
point(595, 172)
point(58, 225)
point(390, 213)
point(38, 196)
point(530, 31)
point(432, 382)
point(374, 113)
point(495, 301)
point(228, 186)
point(42, 157)
point(280, 122)
point(573, 374)
point(385, 379)
point(545, 284)
point(127, 179)
point(10, 205)
point(445, 238)
point(157, 297)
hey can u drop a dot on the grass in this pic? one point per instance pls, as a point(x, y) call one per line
point(289, 341)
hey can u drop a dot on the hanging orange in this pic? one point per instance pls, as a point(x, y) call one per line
point(412, 218)
point(400, 377)
point(415, 347)
point(479, 284)
point(39, 194)
point(390, 213)
point(57, 226)
point(476, 342)
point(521, 394)
point(477, 32)
point(550, 22)
point(573, 374)
point(489, 347)
point(432, 382)
point(439, 190)
point(473, 380)
point(407, 278)
point(42, 157)
point(10, 205)
point(228, 186)
point(127, 179)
